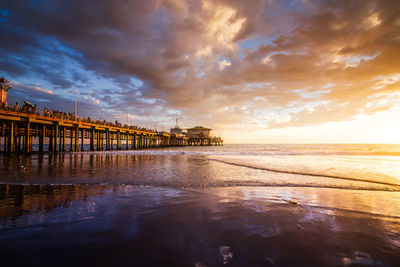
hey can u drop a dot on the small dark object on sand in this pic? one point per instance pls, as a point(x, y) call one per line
point(226, 254)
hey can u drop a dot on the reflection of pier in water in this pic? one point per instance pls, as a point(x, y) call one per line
point(54, 186)
point(20, 200)
point(36, 185)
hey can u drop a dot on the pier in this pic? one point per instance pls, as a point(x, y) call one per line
point(22, 132)
point(200, 136)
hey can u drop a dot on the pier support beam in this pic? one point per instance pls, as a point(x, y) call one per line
point(64, 139)
point(98, 141)
point(101, 141)
point(111, 141)
point(42, 139)
point(83, 139)
point(17, 141)
point(71, 139)
point(92, 140)
point(55, 148)
point(27, 135)
point(51, 138)
point(76, 139)
point(11, 137)
point(4, 144)
point(108, 140)
point(118, 140)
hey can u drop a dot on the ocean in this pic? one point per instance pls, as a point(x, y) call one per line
point(235, 205)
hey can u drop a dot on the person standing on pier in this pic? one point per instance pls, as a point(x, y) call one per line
point(16, 107)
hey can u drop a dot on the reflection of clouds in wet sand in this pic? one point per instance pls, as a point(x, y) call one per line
point(205, 226)
point(112, 209)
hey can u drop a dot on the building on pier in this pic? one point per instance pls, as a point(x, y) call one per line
point(198, 132)
point(177, 131)
point(196, 136)
point(201, 136)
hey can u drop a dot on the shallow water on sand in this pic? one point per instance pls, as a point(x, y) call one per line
point(205, 207)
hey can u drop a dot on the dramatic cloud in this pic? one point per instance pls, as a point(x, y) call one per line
point(226, 64)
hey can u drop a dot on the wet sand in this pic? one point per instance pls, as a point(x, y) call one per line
point(148, 226)
point(92, 210)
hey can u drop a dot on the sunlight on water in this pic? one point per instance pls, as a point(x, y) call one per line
point(377, 169)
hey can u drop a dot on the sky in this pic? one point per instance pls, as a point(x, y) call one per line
point(257, 71)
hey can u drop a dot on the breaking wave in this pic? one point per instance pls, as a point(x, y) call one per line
point(307, 173)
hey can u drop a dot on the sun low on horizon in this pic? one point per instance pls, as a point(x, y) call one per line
point(263, 71)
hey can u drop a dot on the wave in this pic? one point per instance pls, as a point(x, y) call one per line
point(214, 184)
point(348, 187)
point(261, 149)
point(307, 173)
point(248, 153)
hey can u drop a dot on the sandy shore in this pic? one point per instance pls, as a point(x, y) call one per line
point(240, 226)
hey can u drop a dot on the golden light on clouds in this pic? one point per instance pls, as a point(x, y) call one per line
point(373, 20)
point(223, 64)
point(279, 71)
point(223, 25)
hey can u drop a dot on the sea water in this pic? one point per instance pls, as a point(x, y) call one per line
point(241, 205)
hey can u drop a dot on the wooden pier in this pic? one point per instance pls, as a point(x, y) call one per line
point(25, 133)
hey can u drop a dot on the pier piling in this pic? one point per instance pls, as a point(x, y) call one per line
point(20, 131)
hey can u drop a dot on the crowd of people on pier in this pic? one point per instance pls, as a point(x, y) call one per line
point(26, 108)
point(29, 108)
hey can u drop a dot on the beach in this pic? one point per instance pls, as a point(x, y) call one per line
point(200, 133)
point(236, 205)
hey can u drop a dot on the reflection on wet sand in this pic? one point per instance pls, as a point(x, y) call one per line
point(61, 166)
point(91, 209)
point(106, 169)
point(38, 200)
point(116, 225)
